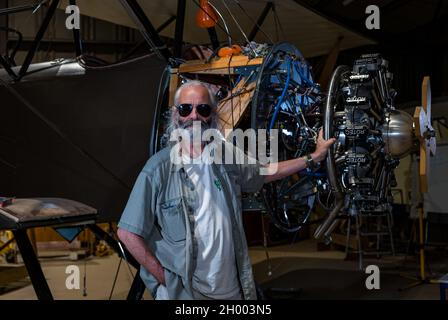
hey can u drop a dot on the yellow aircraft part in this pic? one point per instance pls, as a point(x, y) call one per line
point(5, 236)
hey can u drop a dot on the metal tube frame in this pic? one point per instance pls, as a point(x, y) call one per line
point(43, 28)
point(32, 265)
point(77, 36)
point(5, 64)
point(18, 9)
point(150, 34)
point(146, 28)
point(179, 33)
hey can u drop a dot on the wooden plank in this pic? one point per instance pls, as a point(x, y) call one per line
point(230, 111)
point(221, 63)
point(223, 71)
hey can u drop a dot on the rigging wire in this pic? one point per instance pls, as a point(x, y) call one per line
point(234, 20)
point(224, 22)
point(239, 27)
point(253, 20)
point(278, 21)
point(277, 38)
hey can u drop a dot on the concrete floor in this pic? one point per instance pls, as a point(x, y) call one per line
point(319, 275)
point(100, 277)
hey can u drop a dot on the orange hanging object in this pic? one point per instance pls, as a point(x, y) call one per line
point(206, 16)
point(230, 51)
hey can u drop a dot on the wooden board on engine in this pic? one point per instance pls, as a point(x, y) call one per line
point(232, 108)
point(220, 65)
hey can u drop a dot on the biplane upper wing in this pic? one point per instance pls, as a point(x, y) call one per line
point(296, 22)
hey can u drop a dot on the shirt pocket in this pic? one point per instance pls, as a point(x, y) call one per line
point(172, 220)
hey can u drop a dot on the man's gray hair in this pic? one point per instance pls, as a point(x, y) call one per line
point(196, 83)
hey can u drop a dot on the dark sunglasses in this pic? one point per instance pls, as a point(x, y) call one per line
point(185, 109)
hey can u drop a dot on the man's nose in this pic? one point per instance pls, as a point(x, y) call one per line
point(194, 115)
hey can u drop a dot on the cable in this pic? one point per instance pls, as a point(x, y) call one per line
point(282, 259)
point(19, 42)
point(241, 91)
point(265, 246)
point(84, 291)
point(277, 19)
point(164, 83)
point(28, 17)
point(234, 20)
point(282, 97)
point(230, 87)
point(276, 28)
point(224, 22)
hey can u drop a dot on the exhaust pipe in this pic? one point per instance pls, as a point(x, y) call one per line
point(326, 228)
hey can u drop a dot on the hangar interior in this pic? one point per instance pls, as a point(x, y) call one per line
point(84, 108)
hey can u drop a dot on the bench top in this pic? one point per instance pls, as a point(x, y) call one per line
point(43, 212)
point(444, 279)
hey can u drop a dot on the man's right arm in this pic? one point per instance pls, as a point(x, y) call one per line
point(140, 251)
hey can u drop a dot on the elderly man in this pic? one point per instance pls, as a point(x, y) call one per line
point(183, 222)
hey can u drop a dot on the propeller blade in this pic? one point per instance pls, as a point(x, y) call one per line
point(433, 146)
point(423, 121)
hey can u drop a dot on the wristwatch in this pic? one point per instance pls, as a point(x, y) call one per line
point(309, 162)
